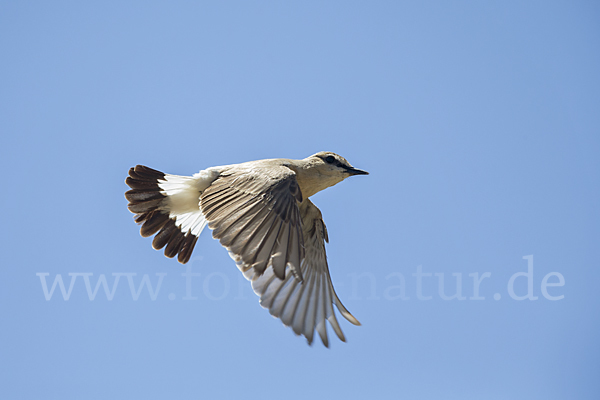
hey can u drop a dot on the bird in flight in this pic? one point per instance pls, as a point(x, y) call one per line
point(261, 213)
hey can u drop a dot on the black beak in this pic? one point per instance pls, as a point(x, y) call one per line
point(354, 171)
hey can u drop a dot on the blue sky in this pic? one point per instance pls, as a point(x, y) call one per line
point(478, 121)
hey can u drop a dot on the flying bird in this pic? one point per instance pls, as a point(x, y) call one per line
point(261, 213)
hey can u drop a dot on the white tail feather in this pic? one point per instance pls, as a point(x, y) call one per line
point(183, 199)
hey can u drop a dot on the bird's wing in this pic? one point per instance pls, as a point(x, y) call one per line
point(305, 306)
point(254, 214)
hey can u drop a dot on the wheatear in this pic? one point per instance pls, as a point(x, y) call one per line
point(260, 212)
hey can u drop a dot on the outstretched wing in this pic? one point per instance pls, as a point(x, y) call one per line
point(307, 305)
point(254, 214)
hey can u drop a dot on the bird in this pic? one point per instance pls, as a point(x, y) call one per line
point(261, 212)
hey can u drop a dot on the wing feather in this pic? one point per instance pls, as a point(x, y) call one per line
point(265, 248)
point(279, 258)
point(321, 326)
point(305, 306)
point(253, 213)
point(302, 305)
point(311, 312)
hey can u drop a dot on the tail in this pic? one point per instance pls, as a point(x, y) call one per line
point(169, 205)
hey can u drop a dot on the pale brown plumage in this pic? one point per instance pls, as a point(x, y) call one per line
point(261, 213)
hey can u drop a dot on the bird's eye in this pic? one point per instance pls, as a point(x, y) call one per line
point(329, 159)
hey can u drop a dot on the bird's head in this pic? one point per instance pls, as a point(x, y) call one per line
point(331, 164)
point(323, 170)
